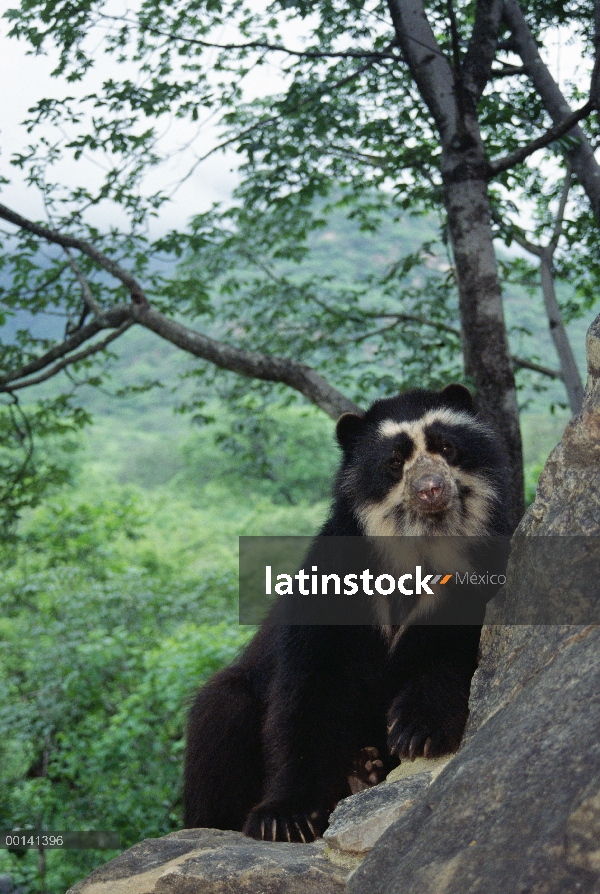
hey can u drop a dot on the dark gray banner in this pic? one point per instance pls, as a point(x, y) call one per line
point(419, 580)
point(30, 839)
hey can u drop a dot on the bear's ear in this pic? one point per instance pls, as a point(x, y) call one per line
point(459, 397)
point(348, 427)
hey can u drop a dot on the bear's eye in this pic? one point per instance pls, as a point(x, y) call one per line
point(447, 450)
point(396, 463)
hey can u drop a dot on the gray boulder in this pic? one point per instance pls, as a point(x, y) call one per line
point(358, 821)
point(208, 861)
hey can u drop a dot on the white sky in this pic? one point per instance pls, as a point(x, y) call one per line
point(26, 78)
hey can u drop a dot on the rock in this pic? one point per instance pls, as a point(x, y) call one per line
point(208, 861)
point(7, 885)
point(431, 765)
point(348, 860)
point(358, 821)
point(500, 818)
point(568, 493)
point(518, 808)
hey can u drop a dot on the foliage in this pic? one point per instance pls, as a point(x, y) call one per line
point(83, 533)
point(36, 453)
point(289, 458)
point(97, 668)
point(344, 132)
point(117, 602)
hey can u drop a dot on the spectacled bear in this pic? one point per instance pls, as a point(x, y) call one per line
point(273, 739)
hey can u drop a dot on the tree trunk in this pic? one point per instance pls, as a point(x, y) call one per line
point(578, 151)
point(568, 367)
point(486, 354)
point(485, 346)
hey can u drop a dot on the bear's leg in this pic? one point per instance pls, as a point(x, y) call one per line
point(433, 670)
point(323, 708)
point(223, 778)
point(308, 760)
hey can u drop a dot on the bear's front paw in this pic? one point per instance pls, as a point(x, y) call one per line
point(415, 731)
point(279, 822)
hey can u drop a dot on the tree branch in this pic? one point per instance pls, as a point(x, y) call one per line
point(86, 292)
point(68, 361)
point(270, 120)
point(482, 47)
point(422, 321)
point(569, 372)
point(137, 295)
point(444, 327)
point(366, 335)
point(568, 366)
point(377, 161)
point(252, 364)
point(553, 133)
point(580, 153)
point(459, 88)
point(560, 214)
point(112, 318)
point(397, 319)
point(428, 65)
point(256, 45)
point(544, 370)
point(297, 375)
point(507, 71)
point(519, 236)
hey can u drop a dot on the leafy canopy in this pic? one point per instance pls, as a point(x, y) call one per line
point(335, 127)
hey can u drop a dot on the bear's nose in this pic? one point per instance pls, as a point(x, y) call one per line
point(429, 488)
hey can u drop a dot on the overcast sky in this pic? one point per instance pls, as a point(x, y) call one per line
point(26, 79)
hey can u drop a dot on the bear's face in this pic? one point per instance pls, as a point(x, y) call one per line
point(420, 464)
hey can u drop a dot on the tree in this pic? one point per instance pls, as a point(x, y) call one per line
point(383, 105)
point(545, 253)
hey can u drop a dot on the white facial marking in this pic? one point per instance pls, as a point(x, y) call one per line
point(389, 427)
point(380, 519)
point(466, 514)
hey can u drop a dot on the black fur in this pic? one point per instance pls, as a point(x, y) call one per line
point(273, 739)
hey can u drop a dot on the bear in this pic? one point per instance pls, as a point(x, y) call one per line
point(273, 739)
